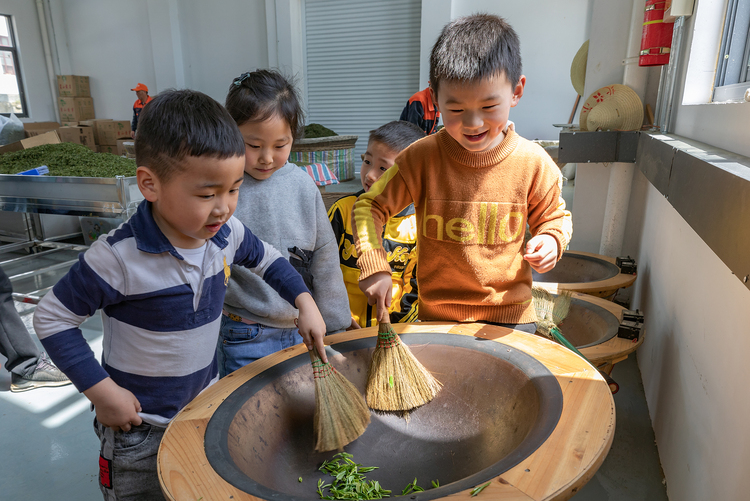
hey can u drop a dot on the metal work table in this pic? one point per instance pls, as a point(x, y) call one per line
point(34, 260)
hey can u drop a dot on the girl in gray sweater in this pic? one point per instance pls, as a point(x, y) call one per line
point(282, 206)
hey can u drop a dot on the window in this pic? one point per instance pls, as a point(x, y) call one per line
point(732, 77)
point(11, 91)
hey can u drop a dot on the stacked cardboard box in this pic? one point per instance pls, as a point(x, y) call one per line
point(75, 101)
point(110, 132)
point(79, 135)
point(32, 129)
point(94, 128)
point(75, 109)
point(73, 86)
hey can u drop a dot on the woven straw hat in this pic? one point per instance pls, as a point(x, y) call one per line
point(615, 107)
point(578, 68)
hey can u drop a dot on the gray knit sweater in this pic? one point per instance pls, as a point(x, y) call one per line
point(286, 210)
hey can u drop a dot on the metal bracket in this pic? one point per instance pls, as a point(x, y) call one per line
point(631, 325)
point(627, 265)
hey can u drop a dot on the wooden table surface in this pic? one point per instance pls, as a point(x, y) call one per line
point(599, 288)
point(555, 471)
point(616, 349)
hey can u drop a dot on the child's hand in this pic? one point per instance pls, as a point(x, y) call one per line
point(116, 407)
point(377, 288)
point(354, 325)
point(541, 253)
point(311, 326)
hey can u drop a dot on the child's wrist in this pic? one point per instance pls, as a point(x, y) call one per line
point(303, 301)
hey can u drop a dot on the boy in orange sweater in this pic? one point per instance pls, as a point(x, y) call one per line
point(475, 185)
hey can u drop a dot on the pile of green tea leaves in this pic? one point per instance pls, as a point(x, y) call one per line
point(317, 130)
point(67, 159)
point(351, 483)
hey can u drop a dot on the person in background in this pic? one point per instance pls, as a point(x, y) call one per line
point(280, 203)
point(475, 185)
point(399, 236)
point(29, 367)
point(160, 280)
point(143, 99)
point(421, 111)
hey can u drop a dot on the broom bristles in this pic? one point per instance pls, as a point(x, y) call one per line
point(397, 381)
point(341, 414)
point(551, 310)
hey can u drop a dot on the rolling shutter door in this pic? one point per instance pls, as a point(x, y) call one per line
point(362, 63)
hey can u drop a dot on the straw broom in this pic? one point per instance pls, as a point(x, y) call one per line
point(550, 312)
point(397, 381)
point(341, 414)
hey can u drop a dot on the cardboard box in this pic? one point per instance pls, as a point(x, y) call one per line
point(73, 86)
point(35, 128)
point(75, 109)
point(123, 145)
point(92, 123)
point(70, 124)
point(50, 137)
point(78, 135)
point(107, 148)
point(109, 131)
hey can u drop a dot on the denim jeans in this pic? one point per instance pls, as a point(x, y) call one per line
point(127, 463)
point(240, 344)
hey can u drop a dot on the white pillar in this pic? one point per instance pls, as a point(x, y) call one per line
point(621, 174)
point(616, 208)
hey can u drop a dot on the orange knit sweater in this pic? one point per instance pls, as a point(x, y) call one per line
point(472, 210)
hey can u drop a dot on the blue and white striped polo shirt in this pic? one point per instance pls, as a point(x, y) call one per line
point(159, 334)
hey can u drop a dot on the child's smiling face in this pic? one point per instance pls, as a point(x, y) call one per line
point(267, 146)
point(476, 113)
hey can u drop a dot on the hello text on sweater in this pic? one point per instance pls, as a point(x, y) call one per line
point(477, 223)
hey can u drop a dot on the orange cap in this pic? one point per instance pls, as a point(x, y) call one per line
point(140, 86)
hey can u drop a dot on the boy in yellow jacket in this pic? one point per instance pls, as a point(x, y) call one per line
point(399, 235)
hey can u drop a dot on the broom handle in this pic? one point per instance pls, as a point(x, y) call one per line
point(383, 316)
point(314, 355)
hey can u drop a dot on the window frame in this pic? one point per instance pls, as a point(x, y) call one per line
point(732, 77)
point(13, 50)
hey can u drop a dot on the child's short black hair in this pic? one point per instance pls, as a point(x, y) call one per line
point(181, 123)
point(473, 48)
point(258, 95)
point(396, 135)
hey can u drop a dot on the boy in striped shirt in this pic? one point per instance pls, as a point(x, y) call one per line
point(160, 280)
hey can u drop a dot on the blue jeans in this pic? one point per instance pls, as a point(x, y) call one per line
point(240, 344)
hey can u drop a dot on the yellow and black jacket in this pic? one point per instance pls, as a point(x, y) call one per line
point(400, 243)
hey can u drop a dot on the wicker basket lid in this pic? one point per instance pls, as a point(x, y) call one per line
point(325, 143)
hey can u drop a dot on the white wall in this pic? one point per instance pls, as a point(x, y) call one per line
point(39, 98)
point(161, 43)
point(203, 45)
point(693, 359)
point(110, 41)
point(551, 32)
point(221, 40)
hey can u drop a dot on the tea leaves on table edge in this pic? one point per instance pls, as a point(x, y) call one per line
point(67, 159)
